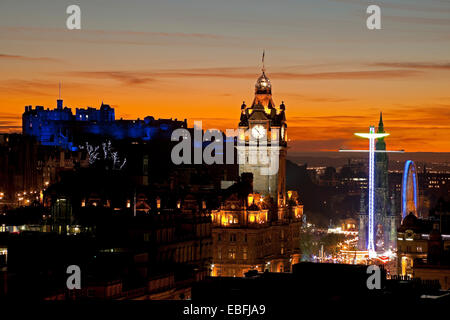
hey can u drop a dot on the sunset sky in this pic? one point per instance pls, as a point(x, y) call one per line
point(199, 59)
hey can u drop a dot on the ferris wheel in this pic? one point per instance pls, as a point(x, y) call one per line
point(409, 190)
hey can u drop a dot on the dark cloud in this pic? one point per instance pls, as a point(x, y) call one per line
point(25, 58)
point(141, 77)
point(12, 125)
point(414, 65)
point(121, 37)
point(435, 7)
point(10, 116)
point(7, 123)
point(419, 20)
point(316, 99)
point(338, 75)
point(33, 87)
point(317, 145)
point(116, 32)
point(127, 77)
point(348, 75)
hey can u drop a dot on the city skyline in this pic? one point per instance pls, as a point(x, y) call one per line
point(214, 154)
point(333, 74)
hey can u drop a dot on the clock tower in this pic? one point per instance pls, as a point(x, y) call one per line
point(258, 228)
point(262, 143)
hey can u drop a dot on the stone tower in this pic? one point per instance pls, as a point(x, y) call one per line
point(262, 140)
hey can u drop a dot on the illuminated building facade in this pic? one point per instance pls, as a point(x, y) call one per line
point(424, 244)
point(258, 223)
point(413, 235)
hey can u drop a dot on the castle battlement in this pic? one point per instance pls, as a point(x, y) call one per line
point(60, 127)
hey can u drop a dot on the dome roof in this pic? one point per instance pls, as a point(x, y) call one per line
point(263, 85)
point(410, 221)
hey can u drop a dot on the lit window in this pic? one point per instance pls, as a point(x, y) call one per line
point(158, 203)
point(250, 199)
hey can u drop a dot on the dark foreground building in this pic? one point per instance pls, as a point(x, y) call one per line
point(155, 255)
point(316, 283)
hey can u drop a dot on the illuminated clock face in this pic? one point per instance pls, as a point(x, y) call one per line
point(258, 131)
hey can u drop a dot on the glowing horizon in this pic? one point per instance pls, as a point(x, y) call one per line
point(200, 60)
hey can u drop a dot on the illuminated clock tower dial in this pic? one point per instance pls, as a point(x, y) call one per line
point(258, 131)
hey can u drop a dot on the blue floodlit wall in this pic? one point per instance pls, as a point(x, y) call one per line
point(59, 126)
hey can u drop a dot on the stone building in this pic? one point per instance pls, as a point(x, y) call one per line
point(424, 250)
point(258, 223)
point(413, 235)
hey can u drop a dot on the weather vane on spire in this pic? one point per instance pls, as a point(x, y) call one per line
point(263, 67)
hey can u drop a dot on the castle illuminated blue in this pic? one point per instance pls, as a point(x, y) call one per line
point(60, 127)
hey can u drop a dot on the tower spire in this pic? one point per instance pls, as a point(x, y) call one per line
point(60, 90)
point(263, 66)
point(380, 123)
